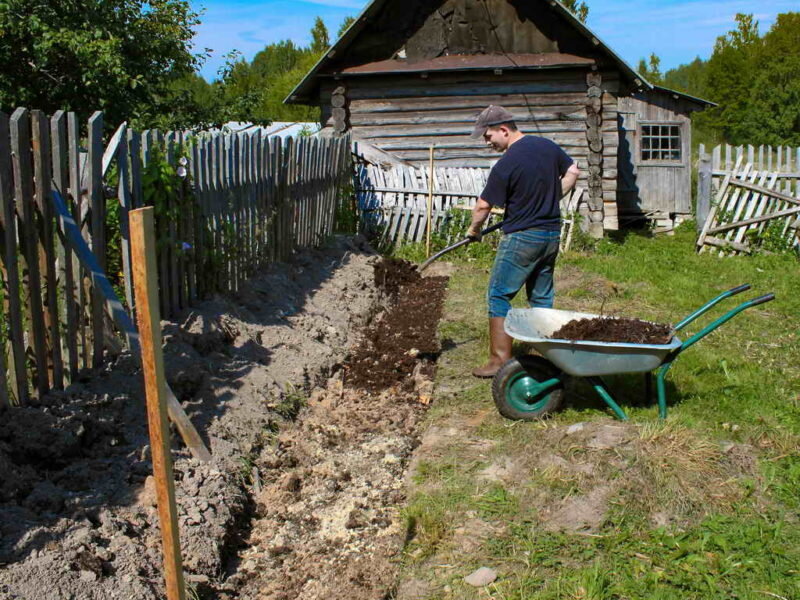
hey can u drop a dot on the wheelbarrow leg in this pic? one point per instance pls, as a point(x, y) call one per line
point(600, 387)
point(662, 390)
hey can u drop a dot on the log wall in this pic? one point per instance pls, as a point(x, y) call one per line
point(405, 114)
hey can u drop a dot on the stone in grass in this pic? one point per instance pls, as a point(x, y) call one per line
point(481, 577)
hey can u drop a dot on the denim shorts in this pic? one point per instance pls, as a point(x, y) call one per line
point(526, 258)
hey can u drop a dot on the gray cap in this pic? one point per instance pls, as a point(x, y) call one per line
point(492, 115)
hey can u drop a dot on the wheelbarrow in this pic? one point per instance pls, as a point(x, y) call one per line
point(529, 387)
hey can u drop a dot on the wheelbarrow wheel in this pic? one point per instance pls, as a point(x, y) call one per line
point(523, 388)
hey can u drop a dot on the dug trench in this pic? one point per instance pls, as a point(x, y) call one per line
point(308, 386)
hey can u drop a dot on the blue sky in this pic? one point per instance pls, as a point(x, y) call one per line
point(676, 30)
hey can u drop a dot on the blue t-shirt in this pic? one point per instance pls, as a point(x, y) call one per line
point(526, 181)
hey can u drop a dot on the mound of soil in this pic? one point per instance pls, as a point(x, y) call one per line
point(402, 344)
point(608, 329)
point(77, 502)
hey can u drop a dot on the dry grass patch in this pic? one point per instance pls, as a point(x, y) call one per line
point(677, 477)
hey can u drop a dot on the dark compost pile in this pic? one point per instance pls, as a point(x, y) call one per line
point(609, 329)
point(403, 342)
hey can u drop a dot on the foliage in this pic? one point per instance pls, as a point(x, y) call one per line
point(455, 226)
point(755, 80)
point(320, 41)
point(651, 69)
point(254, 92)
point(580, 9)
point(119, 56)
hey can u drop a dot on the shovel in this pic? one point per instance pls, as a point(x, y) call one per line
point(464, 242)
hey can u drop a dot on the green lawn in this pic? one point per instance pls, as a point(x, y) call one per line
point(702, 506)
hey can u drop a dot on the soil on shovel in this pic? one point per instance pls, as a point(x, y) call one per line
point(612, 329)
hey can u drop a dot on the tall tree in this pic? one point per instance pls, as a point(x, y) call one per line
point(121, 56)
point(580, 9)
point(773, 107)
point(320, 40)
point(689, 78)
point(730, 74)
point(651, 69)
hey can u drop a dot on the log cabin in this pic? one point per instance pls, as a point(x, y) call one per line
point(412, 73)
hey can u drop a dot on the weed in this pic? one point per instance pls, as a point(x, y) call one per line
point(291, 403)
point(497, 502)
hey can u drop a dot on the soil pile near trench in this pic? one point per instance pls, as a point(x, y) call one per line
point(612, 329)
point(401, 345)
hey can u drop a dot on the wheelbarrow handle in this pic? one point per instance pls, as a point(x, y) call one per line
point(711, 304)
point(738, 289)
point(723, 319)
point(762, 299)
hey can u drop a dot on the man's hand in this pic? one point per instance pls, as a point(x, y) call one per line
point(480, 212)
point(474, 232)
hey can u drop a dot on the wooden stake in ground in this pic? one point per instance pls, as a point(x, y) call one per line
point(145, 267)
point(430, 208)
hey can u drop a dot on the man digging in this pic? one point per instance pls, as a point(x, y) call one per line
point(528, 182)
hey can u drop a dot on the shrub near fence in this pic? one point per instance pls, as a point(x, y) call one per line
point(226, 203)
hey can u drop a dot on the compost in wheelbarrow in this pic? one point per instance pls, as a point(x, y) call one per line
point(529, 387)
point(615, 329)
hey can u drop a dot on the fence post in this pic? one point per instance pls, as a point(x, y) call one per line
point(704, 174)
point(11, 304)
point(60, 149)
point(43, 172)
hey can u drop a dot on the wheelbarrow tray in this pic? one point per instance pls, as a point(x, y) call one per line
point(582, 358)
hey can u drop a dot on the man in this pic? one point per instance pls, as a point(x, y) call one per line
point(528, 182)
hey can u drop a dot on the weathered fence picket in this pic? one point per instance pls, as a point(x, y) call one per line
point(237, 203)
point(11, 302)
point(745, 201)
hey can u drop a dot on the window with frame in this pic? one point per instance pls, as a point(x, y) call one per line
point(661, 142)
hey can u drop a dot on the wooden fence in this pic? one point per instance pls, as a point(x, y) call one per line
point(748, 198)
point(226, 204)
point(396, 200)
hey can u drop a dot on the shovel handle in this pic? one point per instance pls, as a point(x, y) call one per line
point(486, 231)
point(464, 242)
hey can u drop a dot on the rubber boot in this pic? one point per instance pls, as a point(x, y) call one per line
point(499, 348)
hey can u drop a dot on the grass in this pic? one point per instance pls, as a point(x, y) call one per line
point(704, 505)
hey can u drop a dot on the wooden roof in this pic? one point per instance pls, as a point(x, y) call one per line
point(467, 62)
point(304, 91)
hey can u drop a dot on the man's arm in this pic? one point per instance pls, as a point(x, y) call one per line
point(480, 212)
point(569, 179)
